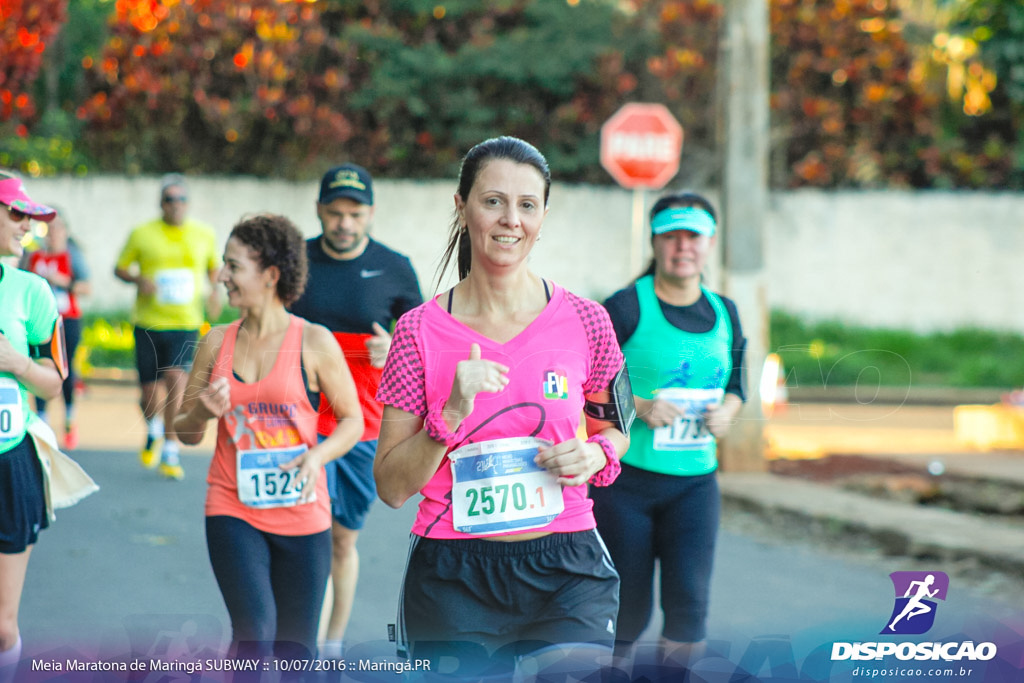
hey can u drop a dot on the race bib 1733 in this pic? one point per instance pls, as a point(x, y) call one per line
point(690, 429)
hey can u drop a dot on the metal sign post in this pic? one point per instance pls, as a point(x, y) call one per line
point(640, 147)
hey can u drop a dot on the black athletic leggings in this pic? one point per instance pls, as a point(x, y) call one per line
point(273, 586)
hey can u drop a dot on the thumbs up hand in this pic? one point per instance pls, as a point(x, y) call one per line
point(473, 376)
point(378, 345)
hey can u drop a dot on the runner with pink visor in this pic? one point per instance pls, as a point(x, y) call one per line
point(13, 195)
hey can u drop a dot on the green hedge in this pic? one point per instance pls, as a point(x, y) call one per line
point(831, 353)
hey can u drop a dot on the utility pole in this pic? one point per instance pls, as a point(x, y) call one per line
point(743, 88)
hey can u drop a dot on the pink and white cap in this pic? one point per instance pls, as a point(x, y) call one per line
point(12, 193)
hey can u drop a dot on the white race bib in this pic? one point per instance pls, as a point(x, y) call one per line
point(689, 430)
point(262, 484)
point(12, 415)
point(496, 487)
point(175, 286)
point(63, 301)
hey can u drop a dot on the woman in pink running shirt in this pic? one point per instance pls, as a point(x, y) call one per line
point(484, 389)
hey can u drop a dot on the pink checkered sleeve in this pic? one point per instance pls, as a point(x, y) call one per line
point(605, 355)
point(403, 383)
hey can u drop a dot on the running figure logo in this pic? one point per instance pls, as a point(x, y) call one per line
point(914, 611)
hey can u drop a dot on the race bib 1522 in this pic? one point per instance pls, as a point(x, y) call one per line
point(261, 481)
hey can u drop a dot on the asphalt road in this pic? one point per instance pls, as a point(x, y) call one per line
point(126, 570)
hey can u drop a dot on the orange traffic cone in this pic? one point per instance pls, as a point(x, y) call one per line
point(774, 395)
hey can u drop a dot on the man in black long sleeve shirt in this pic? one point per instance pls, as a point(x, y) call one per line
point(357, 288)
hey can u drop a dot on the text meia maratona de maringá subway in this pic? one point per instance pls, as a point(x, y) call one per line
point(189, 667)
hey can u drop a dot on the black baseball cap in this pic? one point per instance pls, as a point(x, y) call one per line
point(347, 181)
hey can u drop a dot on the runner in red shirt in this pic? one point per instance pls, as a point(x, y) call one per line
point(60, 263)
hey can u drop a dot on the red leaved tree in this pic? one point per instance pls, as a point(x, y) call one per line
point(26, 27)
point(280, 87)
point(850, 105)
point(217, 85)
point(680, 69)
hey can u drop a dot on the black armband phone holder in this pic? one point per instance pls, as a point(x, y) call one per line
point(55, 349)
point(621, 411)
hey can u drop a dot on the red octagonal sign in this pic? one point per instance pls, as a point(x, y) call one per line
point(641, 145)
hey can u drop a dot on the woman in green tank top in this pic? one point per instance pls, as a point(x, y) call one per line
point(684, 349)
point(28, 320)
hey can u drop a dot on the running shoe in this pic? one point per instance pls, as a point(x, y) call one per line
point(170, 471)
point(331, 649)
point(71, 436)
point(149, 457)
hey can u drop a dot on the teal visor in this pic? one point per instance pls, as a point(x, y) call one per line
point(690, 218)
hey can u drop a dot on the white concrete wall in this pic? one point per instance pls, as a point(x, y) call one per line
point(926, 261)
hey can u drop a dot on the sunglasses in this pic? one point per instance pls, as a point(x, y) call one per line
point(175, 199)
point(17, 215)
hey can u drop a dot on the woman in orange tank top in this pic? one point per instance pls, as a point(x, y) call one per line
point(267, 509)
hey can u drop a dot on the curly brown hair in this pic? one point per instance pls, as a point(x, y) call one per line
point(277, 242)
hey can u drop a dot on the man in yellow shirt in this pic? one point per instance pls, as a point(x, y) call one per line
point(168, 259)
